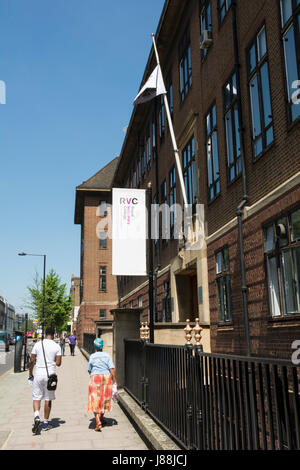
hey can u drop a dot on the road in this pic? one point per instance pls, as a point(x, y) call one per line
point(7, 358)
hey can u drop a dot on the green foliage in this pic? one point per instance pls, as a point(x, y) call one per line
point(55, 310)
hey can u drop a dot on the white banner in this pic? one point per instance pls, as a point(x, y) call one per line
point(129, 232)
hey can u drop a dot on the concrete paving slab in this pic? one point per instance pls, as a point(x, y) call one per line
point(73, 425)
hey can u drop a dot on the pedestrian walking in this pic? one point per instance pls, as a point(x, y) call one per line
point(45, 356)
point(72, 342)
point(62, 343)
point(102, 378)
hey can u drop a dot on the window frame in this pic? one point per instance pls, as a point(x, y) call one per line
point(294, 22)
point(251, 74)
point(172, 200)
point(232, 108)
point(223, 279)
point(189, 169)
point(220, 8)
point(209, 135)
point(204, 10)
point(185, 64)
point(102, 278)
point(276, 254)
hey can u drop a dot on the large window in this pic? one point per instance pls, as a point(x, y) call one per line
point(205, 22)
point(223, 285)
point(232, 126)
point(169, 85)
point(223, 7)
point(189, 171)
point(260, 96)
point(282, 252)
point(290, 22)
point(185, 64)
point(154, 137)
point(212, 152)
point(103, 240)
point(166, 303)
point(102, 278)
point(149, 148)
point(161, 117)
point(165, 233)
point(172, 199)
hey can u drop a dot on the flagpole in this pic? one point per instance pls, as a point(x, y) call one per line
point(169, 118)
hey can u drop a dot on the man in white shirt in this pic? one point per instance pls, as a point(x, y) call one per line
point(40, 379)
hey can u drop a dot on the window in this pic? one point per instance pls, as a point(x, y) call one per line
point(282, 253)
point(154, 136)
point(260, 97)
point(169, 86)
point(212, 152)
point(102, 313)
point(165, 222)
point(290, 22)
point(166, 303)
point(223, 285)
point(140, 301)
point(172, 199)
point(156, 222)
point(102, 280)
point(232, 126)
point(149, 148)
point(206, 23)
point(102, 209)
point(185, 64)
point(189, 171)
point(103, 240)
point(143, 162)
point(223, 7)
point(161, 117)
point(138, 173)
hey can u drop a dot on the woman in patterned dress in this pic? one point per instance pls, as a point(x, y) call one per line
point(102, 377)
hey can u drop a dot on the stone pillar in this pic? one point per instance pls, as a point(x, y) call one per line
point(126, 326)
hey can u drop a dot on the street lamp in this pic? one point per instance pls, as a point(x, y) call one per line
point(44, 284)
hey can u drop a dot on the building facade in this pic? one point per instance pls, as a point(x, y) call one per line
point(75, 295)
point(98, 288)
point(232, 71)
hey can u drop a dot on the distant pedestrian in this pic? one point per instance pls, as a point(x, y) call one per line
point(72, 342)
point(102, 377)
point(40, 379)
point(62, 343)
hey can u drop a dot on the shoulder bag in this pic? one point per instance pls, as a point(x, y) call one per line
point(52, 379)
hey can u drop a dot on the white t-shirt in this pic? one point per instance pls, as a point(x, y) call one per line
point(52, 350)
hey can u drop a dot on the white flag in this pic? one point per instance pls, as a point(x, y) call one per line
point(153, 87)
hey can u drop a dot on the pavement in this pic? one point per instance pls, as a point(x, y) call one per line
point(73, 426)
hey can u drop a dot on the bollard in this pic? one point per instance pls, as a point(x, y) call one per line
point(18, 355)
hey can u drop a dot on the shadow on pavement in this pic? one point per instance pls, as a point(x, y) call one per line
point(108, 423)
point(56, 422)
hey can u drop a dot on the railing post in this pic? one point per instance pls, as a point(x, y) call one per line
point(189, 412)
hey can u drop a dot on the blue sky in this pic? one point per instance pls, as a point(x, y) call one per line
point(72, 70)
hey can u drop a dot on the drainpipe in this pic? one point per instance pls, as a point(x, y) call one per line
point(240, 209)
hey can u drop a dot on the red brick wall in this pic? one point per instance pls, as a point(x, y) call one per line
point(269, 338)
point(92, 299)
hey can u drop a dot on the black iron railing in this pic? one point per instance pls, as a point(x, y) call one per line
point(88, 342)
point(216, 402)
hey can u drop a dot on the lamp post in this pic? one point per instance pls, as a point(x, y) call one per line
point(44, 281)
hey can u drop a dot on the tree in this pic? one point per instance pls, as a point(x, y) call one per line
point(57, 306)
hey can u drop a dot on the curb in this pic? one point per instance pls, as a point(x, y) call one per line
point(158, 439)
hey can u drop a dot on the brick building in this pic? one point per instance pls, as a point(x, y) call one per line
point(231, 71)
point(98, 288)
point(75, 295)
